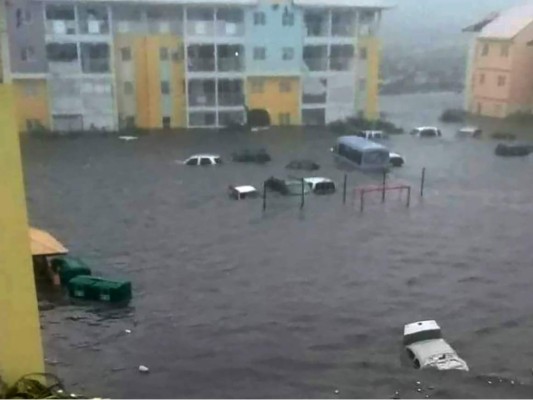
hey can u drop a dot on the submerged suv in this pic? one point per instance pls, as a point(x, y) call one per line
point(203, 159)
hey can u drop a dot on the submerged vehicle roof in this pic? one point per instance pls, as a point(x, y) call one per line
point(316, 179)
point(204, 155)
point(420, 326)
point(245, 189)
point(360, 143)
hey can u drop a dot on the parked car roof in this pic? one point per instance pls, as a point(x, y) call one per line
point(361, 143)
point(244, 189)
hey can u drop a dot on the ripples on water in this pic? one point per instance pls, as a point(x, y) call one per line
point(231, 302)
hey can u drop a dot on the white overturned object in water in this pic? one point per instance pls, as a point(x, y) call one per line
point(128, 138)
point(144, 369)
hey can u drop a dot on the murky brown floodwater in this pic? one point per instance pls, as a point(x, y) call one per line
point(233, 302)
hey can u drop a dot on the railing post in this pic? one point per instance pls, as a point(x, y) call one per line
point(422, 182)
point(362, 200)
point(344, 188)
point(408, 196)
point(264, 196)
point(384, 183)
point(303, 195)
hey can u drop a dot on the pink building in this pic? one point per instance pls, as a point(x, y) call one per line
point(500, 65)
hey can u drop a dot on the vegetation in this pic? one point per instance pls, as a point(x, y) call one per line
point(352, 124)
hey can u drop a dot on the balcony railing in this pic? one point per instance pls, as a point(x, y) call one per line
point(96, 27)
point(316, 64)
point(314, 98)
point(201, 64)
point(341, 63)
point(232, 29)
point(200, 28)
point(64, 67)
point(343, 30)
point(317, 30)
point(199, 99)
point(95, 65)
point(230, 64)
point(60, 27)
point(230, 99)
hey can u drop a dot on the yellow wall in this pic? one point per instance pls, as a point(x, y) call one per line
point(147, 78)
point(275, 101)
point(20, 337)
point(31, 96)
point(373, 47)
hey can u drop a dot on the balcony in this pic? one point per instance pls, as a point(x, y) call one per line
point(230, 58)
point(202, 118)
point(341, 63)
point(317, 24)
point(343, 24)
point(314, 91)
point(230, 23)
point(200, 22)
point(60, 19)
point(93, 19)
point(94, 27)
point(201, 58)
point(63, 58)
point(202, 93)
point(316, 64)
point(95, 58)
point(60, 27)
point(95, 66)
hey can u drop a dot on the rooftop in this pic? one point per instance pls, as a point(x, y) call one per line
point(509, 23)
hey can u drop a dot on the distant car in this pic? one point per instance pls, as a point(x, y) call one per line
point(426, 348)
point(426, 132)
point(396, 160)
point(203, 159)
point(306, 165)
point(243, 192)
point(513, 150)
point(469, 132)
point(372, 135)
point(321, 185)
point(287, 187)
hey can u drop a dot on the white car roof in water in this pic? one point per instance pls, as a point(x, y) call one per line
point(245, 189)
point(205, 155)
point(420, 326)
point(315, 180)
point(422, 128)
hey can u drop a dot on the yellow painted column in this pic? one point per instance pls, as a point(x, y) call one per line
point(372, 91)
point(20, 336)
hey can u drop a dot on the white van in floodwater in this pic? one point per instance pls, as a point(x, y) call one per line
point(426, 348)
point(362, 153)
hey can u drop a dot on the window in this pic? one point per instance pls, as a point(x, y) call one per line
point(284, 86)
point(165, 87)
point(363, 53)
point(505, 50)
point(192, 161)
point(287, 19)
point(259, 53)
point(502, 80)
point(166, 122)
point(259, 18)
point(485, 50)
point(95, 58)
point(128, 87)
point(287, 53)
point(176, 56)
point(27, 54)
point(205, 161)
point(258, 86)
point(163, 54)
point(62, 52)
point(481, 79)
point(284, 119)
point(125, 54)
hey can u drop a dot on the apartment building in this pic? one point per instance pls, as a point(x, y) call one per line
point(499, 80)
point(96, 64)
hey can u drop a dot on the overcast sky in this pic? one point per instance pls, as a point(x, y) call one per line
point(430, 23)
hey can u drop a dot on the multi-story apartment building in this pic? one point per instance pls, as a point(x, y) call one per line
point(499, 80)
point(105, 64)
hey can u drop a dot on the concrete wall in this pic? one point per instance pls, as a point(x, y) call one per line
point(274, 37)
point(25, 25)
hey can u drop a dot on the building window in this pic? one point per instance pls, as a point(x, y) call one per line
point(258, 86)
point(284, 119)
point(285, 86)
point(501, 80)
point(128, 87)
point(125, 54)
point(481, 79)
point(176, 56)
point(259, 53)
point(259, 18)
point(363, 53)
point(163, 54)
point(166, 122)
point(505, 50)
point(27, 54)
point(485, 50)
point(287, 53)
point(165, 87)
point(287, 19)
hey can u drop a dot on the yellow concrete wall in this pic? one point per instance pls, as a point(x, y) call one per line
point(31, 97)
point(373, 46)
point(275, 101)
point(147, 78)
point(20, 336)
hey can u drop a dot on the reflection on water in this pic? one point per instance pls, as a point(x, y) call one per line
point(233, 302)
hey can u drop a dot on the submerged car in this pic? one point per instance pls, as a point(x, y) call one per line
point(203, 159)
point(426, 132)
point(252, 156)
point(372, 135)
point(426, 348)
point(287, 187)
point(321, 185)
point(513, 150)
point(243, 192)
point(306, 165)
point(396, 160)
point(469, 132)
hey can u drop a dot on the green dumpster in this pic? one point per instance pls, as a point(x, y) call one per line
point(99, 289)
point(69, 267)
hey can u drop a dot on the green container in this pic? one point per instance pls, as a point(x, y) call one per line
point(69, 267)
point(99, 289)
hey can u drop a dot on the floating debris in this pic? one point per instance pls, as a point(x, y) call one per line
point(512, 382)
point(419, 390)
point(128, 331)
point(489, 382)
point(337, 391)
point(431, 387)
point(128, 138)
point(418, 383)
point(144, 368)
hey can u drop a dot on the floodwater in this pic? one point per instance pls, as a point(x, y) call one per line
point(231, 301)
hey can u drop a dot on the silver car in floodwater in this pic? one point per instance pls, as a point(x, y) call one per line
point(426, 348)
